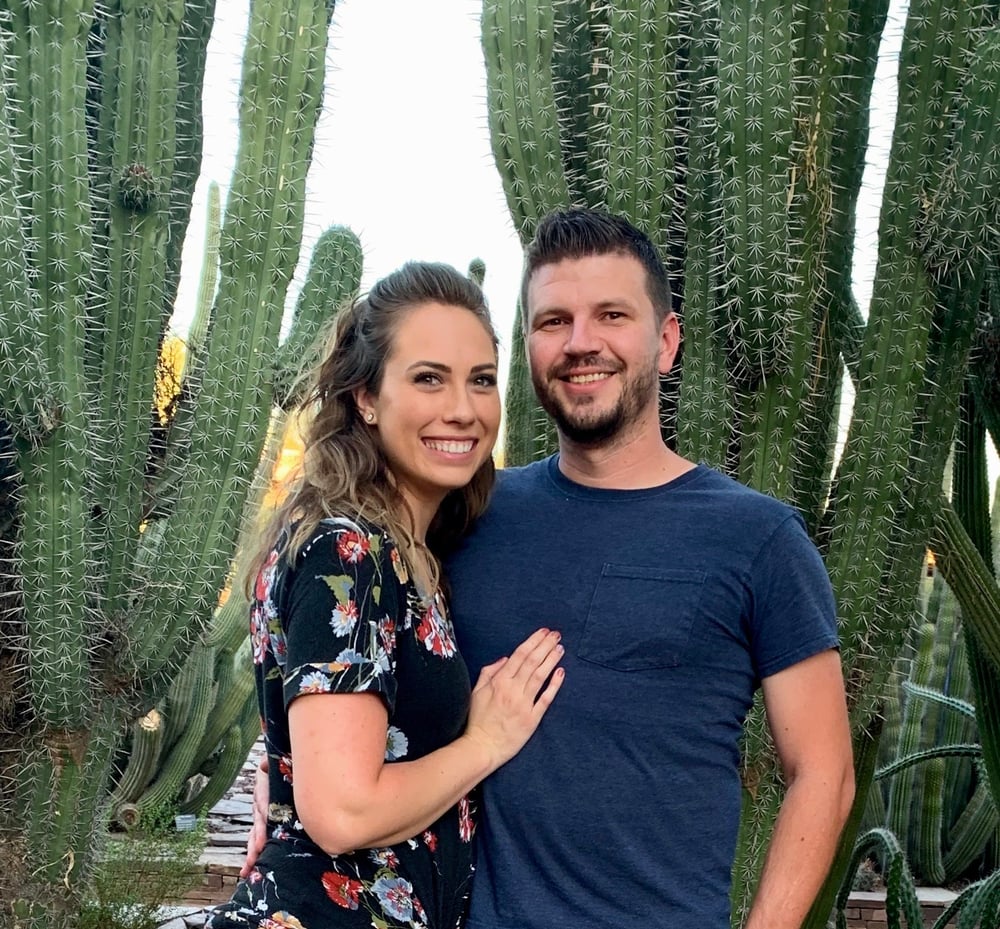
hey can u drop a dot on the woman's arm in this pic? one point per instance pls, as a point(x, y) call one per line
point(347, 797)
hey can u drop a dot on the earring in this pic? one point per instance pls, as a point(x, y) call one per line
point(369, 417)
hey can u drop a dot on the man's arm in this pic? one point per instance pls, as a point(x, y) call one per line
point(807, 715)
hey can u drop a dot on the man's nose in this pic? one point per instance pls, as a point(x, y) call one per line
point(581, 338)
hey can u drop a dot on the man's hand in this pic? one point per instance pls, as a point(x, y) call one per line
point(258, 831)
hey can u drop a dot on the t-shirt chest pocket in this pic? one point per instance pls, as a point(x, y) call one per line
point(640, 617)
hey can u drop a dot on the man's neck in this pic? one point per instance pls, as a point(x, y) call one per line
point(623, 463)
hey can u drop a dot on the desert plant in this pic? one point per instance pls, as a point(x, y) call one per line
point(101, 145)
point(138, 870)
point(189, 749)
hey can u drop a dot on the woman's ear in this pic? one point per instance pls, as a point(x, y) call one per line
point(365, 403)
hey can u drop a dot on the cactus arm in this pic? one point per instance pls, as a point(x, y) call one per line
point(280, 95)
point(147, 742)
point(232, 693)
point(577, 72)
point(209, 279)
point(29, 408)
point(54, 509)
point(959, 727)
point(239, 740)
point(984, 365)
point(192, 53)
point(930, 825)
point(755, 123)
point(894, 357)
point(333, 280)
point(517, 38)
point(195, 693)
point(969, 577)
point(971, 499)
point(762, 793)
point(706, 400)
point(641, 101)
point(141, 164)
point(832, 130)
point(971, 832)
point(185, 697)
point(900, 797)
point(529, 434)
point(961, 707)
point(476, 271)
point(162, 488)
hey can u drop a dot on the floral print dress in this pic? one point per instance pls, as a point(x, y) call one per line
point(347, 618)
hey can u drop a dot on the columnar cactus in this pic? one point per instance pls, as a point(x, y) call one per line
point(735, 132)
point(104, 594)
point(190, 748)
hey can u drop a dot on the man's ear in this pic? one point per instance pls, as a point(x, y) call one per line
point(670, 341)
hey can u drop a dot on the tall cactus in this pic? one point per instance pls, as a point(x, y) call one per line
point(185, 751)
point(758, 110)
point(100, 146)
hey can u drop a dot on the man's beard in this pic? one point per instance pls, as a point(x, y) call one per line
point(587, 427)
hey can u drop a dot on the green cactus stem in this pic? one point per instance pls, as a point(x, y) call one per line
point(333, 281)
point(282, 86)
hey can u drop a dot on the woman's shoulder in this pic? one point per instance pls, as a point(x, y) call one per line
point(345, 538)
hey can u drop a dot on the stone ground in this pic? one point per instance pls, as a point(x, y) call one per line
point(229, 823)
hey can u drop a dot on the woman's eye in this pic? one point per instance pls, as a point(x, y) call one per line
point(427, 377)
point(486, 380)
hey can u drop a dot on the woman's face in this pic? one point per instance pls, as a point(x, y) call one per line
point(438, 410)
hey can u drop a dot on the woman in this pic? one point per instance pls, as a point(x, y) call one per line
point(373, 738)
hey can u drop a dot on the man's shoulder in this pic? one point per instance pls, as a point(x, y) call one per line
point(521, 481)
point(732, 493)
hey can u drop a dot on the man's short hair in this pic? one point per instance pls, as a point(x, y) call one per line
point(580, 233)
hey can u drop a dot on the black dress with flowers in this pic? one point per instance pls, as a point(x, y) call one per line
point(346, 618)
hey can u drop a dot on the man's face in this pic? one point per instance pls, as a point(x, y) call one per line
point(595, 349)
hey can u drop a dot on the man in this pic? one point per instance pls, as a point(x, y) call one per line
point(677, 591)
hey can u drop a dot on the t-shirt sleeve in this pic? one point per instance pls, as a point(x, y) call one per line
point(793, 613)
point(340, 615)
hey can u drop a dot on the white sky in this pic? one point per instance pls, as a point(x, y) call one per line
point(402, 153)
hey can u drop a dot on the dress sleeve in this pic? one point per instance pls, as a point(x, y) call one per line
point(794, 614)
point(340, 614)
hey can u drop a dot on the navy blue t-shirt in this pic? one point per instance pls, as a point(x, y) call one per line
point(673, 603)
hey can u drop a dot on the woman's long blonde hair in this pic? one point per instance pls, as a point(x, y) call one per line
point(344, 471)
